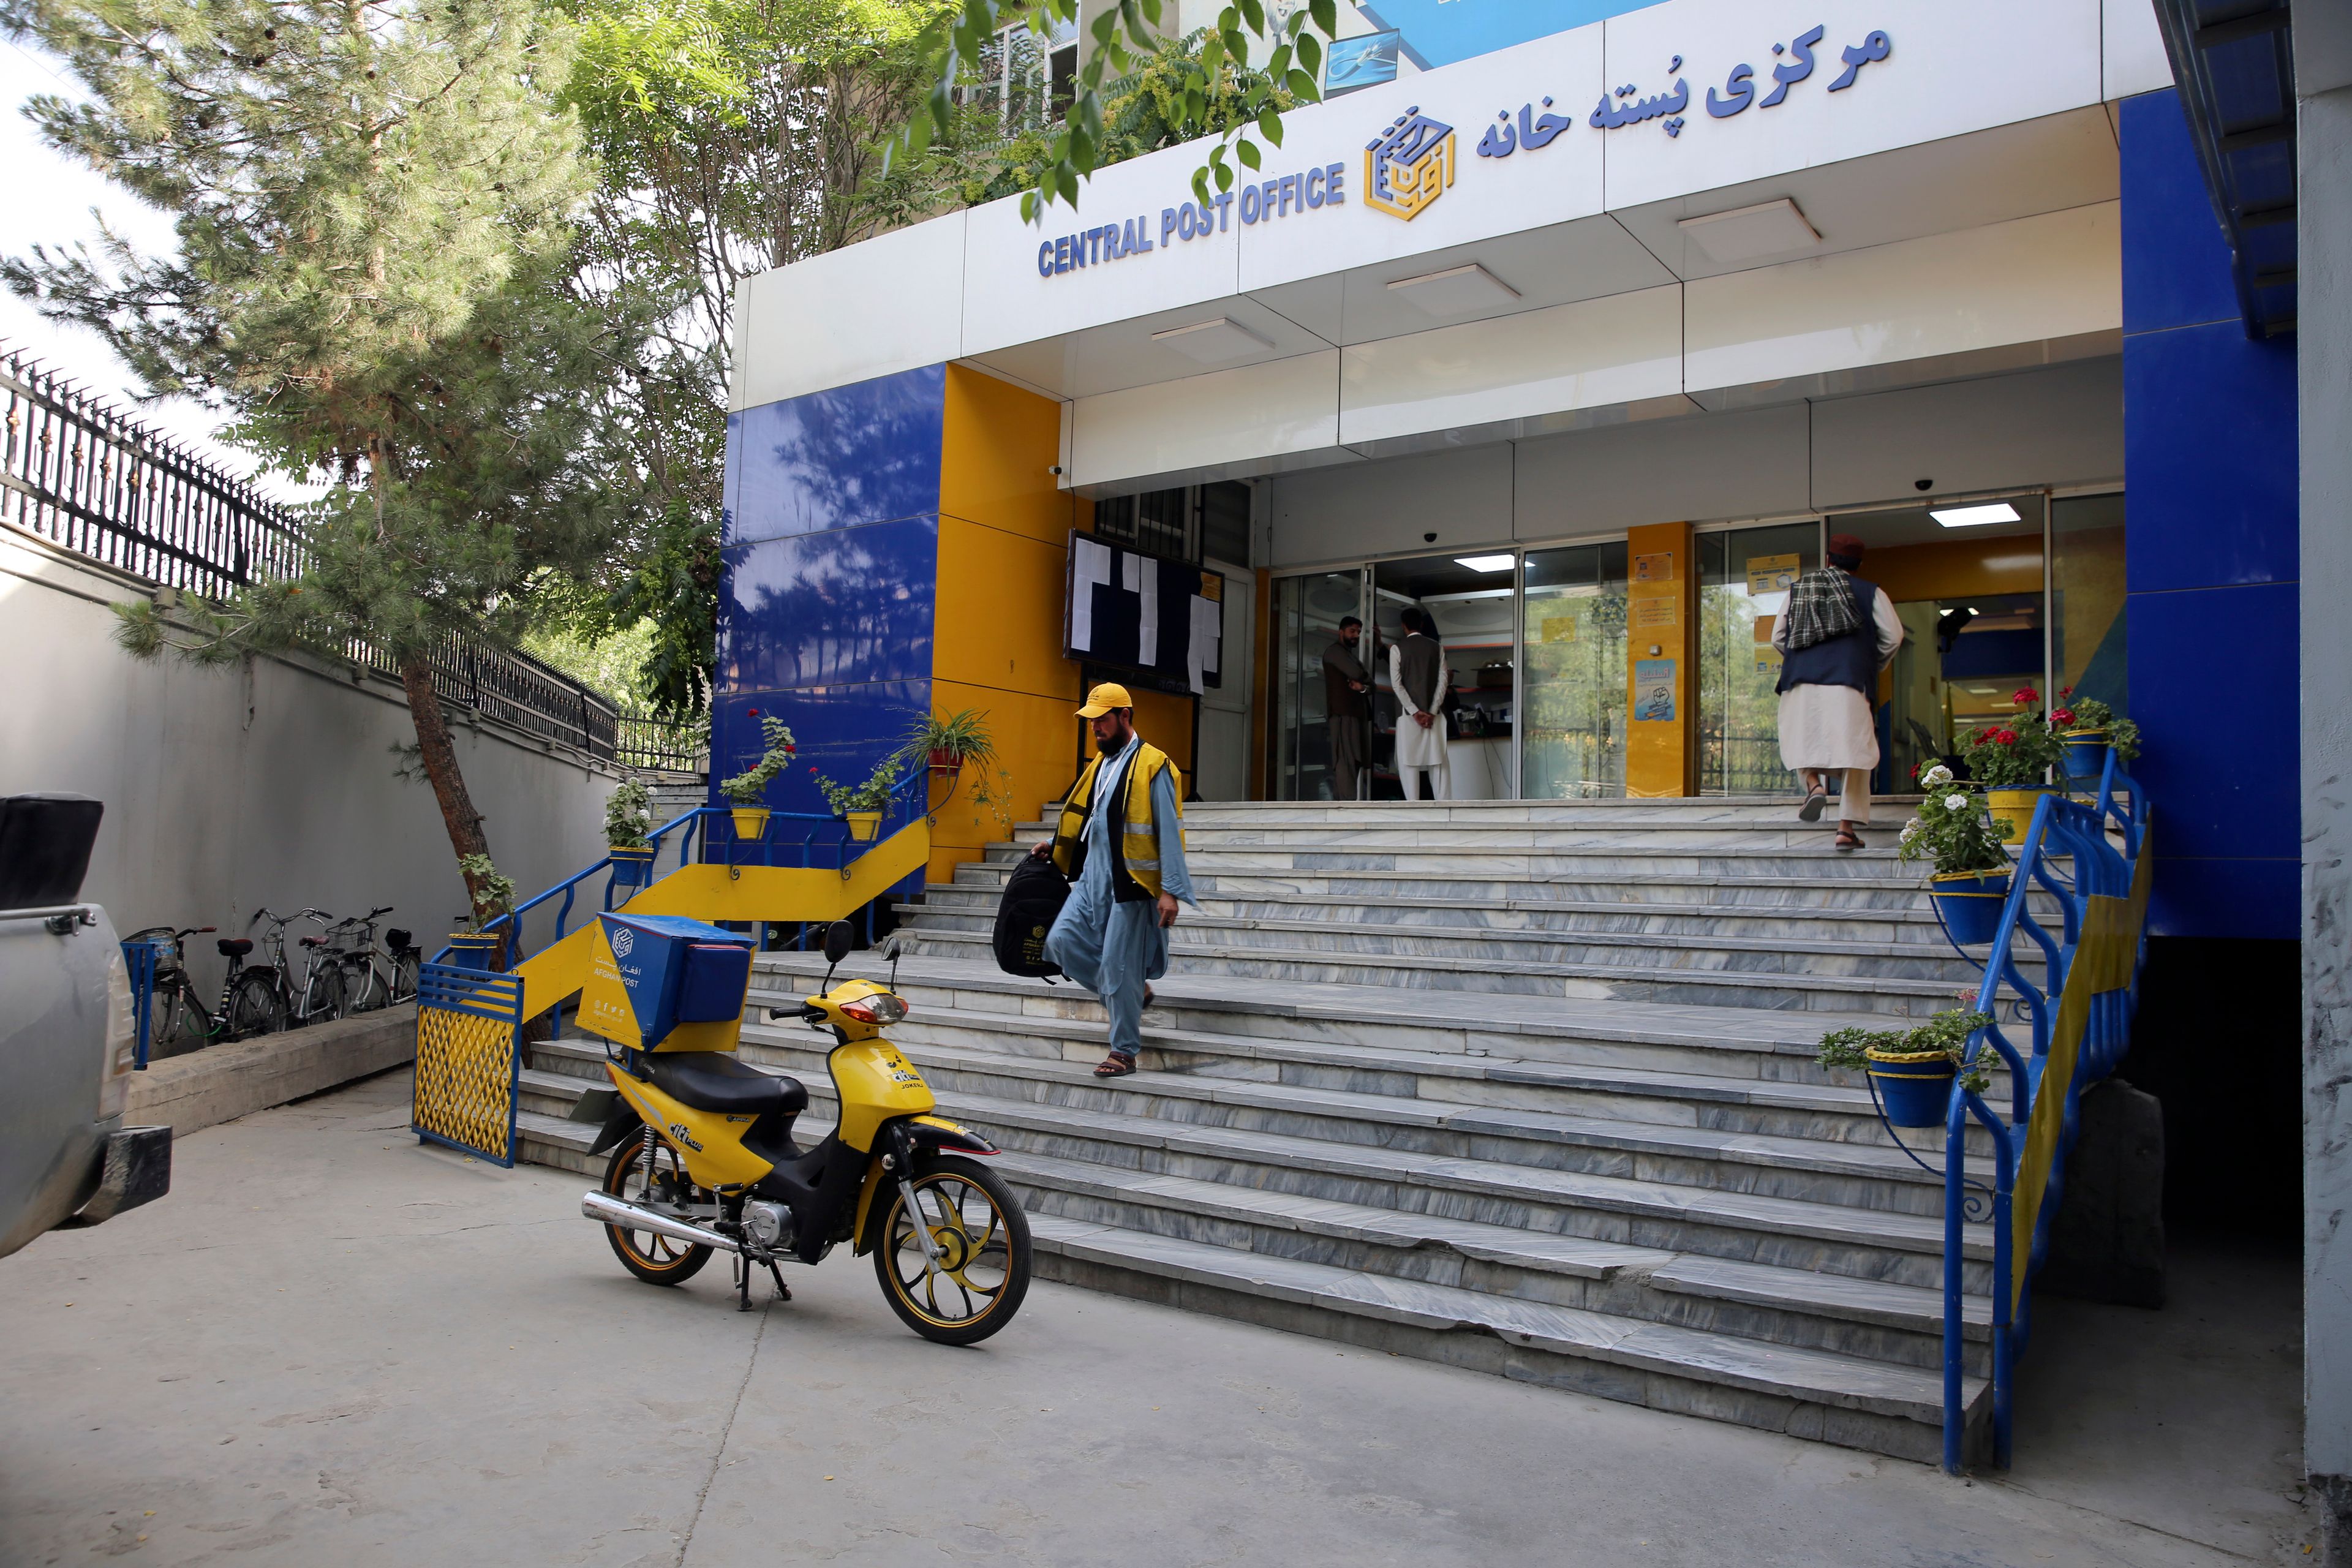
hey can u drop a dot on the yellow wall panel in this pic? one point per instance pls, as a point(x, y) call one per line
point(1166, 720)
point(1036, 741)
point(1956, 568)
point(998, 620)
point(1662, 604)
point(997, 454)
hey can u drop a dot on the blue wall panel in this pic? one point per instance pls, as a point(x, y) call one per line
point(2176, 259)
point(2210, 435)
point(864, 453)
point(850, 605)
point(2209, 452)
point(842, 732)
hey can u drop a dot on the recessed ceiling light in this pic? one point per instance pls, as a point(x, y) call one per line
point(1486, 562)
point(1975, 516)
point(1750, 234)
point(1213, 342)
point(1457, 292)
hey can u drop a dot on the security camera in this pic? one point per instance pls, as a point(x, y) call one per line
point(1055, 470)
point(1923, 484)
point(1429, 539)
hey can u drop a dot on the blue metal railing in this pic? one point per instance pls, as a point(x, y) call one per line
point(2081, 835)
point(706, 836)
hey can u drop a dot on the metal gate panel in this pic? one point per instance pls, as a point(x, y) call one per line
point(468, 1059)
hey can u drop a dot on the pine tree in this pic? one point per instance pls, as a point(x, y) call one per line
point(377, 281)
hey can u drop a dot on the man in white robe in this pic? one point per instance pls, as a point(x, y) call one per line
point(1418, 675)
point(1828, 729)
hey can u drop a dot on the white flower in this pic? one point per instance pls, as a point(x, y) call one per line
point(1936, 777)
point(1910, 830)
point(1954, 802)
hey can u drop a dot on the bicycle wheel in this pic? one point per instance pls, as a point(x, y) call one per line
point(403, 978)
point(363, 987)
point(254, 1008)
point(168, 1012)
point(323, 994)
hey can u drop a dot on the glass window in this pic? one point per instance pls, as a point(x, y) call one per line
point(1743, 587)
point(1573, 673)
point(1307, 612)
point(1224, 522)
point(2086, 569)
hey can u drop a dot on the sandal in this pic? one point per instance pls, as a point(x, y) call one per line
point(1847, 838)
point(1115, 1067)
point(1811, 810)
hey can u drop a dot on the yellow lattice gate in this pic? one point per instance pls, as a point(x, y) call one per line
point(468, 1059)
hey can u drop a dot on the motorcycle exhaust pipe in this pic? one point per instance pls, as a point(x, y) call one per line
point(605, 1209)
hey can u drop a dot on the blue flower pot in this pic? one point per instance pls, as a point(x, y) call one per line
point(474, 949)
point(2087, 752)
point(1970, 903)
point(1915, 1091)
point(630, 866)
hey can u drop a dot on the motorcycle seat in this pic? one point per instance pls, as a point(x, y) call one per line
point(717, 1081)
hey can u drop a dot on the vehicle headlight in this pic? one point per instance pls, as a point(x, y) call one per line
point(882, 1009)
point(122, 1038)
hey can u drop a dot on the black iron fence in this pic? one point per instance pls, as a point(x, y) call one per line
point(91, 479)
point(673, 746)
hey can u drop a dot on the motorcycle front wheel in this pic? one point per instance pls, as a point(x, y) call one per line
point(979, 1270)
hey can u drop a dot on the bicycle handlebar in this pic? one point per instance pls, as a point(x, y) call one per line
point(373, 914)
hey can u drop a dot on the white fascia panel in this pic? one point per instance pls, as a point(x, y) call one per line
point(1951, 68)
point(1012, 295)
point(2036, 279)
point(1530, 188)
point(2131, 47)
point(1594, 353)
point(1257, 412)
point(892, 304)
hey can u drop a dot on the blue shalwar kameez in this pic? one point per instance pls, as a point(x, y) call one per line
point(1112, 948)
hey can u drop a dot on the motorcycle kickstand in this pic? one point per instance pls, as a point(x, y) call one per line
point(784, 1291)
point(742, 1283)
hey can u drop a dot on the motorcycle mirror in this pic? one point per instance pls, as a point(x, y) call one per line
point(838, 940)
point(892, 953)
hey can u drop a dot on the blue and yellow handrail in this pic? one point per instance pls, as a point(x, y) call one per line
point(2091, 970)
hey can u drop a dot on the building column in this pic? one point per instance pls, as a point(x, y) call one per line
point(1662, 642)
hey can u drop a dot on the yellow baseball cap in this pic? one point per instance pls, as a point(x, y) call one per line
point(1105, 697)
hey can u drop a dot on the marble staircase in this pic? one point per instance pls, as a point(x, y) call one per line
point(1523, 1087)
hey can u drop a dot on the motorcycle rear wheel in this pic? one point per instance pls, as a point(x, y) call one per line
point(654, 1258)
point(982, 1240)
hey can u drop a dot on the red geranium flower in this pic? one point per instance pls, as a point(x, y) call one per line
point(2008, 737)
point(2062, 715)
point(1914, 769)
point(2066, 691)
point(2026, 694)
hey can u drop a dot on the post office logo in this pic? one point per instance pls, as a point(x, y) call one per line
point(1409, 165)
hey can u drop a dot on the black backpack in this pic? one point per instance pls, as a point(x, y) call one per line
point(1033, 895)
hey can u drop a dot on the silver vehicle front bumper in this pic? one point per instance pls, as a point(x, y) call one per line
point(135, 1169)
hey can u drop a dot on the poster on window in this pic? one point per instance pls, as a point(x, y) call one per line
point(1162, 619)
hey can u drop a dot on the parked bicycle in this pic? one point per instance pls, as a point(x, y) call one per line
point(249, 1004)
point(372, 978)
point(318, 996)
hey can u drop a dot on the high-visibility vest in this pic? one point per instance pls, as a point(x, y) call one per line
point(1138, 845)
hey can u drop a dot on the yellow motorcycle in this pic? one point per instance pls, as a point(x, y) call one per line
point(703, 1158)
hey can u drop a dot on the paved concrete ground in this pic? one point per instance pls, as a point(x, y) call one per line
point(330, 1346)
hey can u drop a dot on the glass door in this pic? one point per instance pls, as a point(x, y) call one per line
point(1307, 612)
point(1744, 577)
point(1572, 701)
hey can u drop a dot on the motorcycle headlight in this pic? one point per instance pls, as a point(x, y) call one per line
point(882, 1009)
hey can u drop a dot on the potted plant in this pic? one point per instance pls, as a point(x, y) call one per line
point(1972, 875)
point(747, 791)
point(862, 804)
point(628, 816)
point(2088, 730)
point(1912, 1070)
point(946, 742)
point(477, 946)
point(2011, 759)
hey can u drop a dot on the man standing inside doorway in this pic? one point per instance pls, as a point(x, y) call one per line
point(1417, 673)
point(1347, 704)
point(1838, 634)
point(1121, 840)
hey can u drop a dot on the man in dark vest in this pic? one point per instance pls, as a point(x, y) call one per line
point(1417, 674)
point(1838, 633)
point(1348, 702)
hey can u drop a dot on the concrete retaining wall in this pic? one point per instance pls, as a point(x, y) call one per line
point(221, 1083)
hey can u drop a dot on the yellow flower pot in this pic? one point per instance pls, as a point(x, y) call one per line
point(863, 825)
point(2012, 810)
point(750, 823)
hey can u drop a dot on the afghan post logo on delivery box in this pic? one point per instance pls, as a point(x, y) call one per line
point(1409, 165)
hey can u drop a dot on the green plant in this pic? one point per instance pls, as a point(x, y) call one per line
point(1952, 828)
point(1945, 1034)
point(749, 787)
point(874, 794)
point(628, 815)
point(2090, 713)
point(493, 894)
point(963, 735)
point(2014, 754)
point(995, 797)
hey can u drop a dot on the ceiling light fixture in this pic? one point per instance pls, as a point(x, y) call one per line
point(1213, 342)
point(1975, 516)
point(1750, 234)
point(1457, 292)
point(1486, 562)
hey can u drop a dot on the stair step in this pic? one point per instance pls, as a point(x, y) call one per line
point(1813, 1393)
